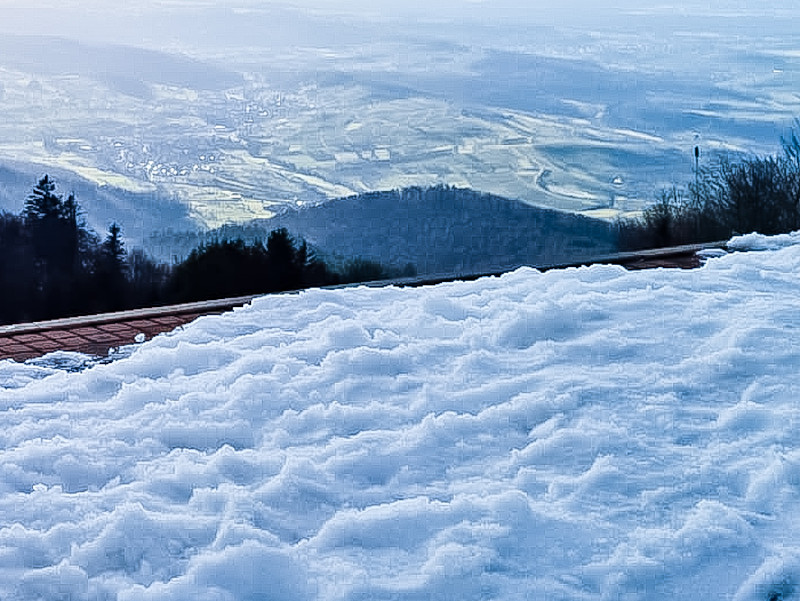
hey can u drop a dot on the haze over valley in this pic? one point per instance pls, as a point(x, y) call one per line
point(192, 115)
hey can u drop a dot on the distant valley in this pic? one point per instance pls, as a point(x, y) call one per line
point(191, 133)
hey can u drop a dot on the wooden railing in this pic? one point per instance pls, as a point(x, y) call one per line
point(221, 305)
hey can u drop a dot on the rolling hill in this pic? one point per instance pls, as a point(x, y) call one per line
point(438, 230)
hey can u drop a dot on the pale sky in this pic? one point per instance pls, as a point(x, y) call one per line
point(103, 21)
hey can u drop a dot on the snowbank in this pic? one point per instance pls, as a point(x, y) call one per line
point(582, 434)
point(756, 241)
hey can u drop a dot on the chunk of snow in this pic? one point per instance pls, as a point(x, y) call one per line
point(756, 241)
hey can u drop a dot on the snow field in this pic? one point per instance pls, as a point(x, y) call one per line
point(581, 434)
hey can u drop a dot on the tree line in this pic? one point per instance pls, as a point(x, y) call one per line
point(52, 264)
point(755, 194)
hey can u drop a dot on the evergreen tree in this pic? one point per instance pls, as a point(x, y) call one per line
point(55, 234)
point(111, 271)
point(113, 249)
point(42, 203)
point(17, 277)
point(217, 270)
point(285, 263)
point(146, 279)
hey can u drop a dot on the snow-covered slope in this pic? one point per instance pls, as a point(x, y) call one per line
point(584, 434)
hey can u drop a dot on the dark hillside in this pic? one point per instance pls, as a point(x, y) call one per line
point(438, 230)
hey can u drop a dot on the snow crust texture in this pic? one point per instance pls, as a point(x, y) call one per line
point(587, 434)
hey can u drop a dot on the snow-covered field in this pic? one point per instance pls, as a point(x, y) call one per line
point(581, 434)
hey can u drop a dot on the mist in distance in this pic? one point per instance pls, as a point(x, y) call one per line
point(235, 109)
point(170, 23)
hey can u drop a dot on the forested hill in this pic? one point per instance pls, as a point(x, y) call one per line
point(437, 230)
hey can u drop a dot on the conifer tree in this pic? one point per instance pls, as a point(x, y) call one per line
point(111, 270)
point(43, 203)
point(285, 263)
